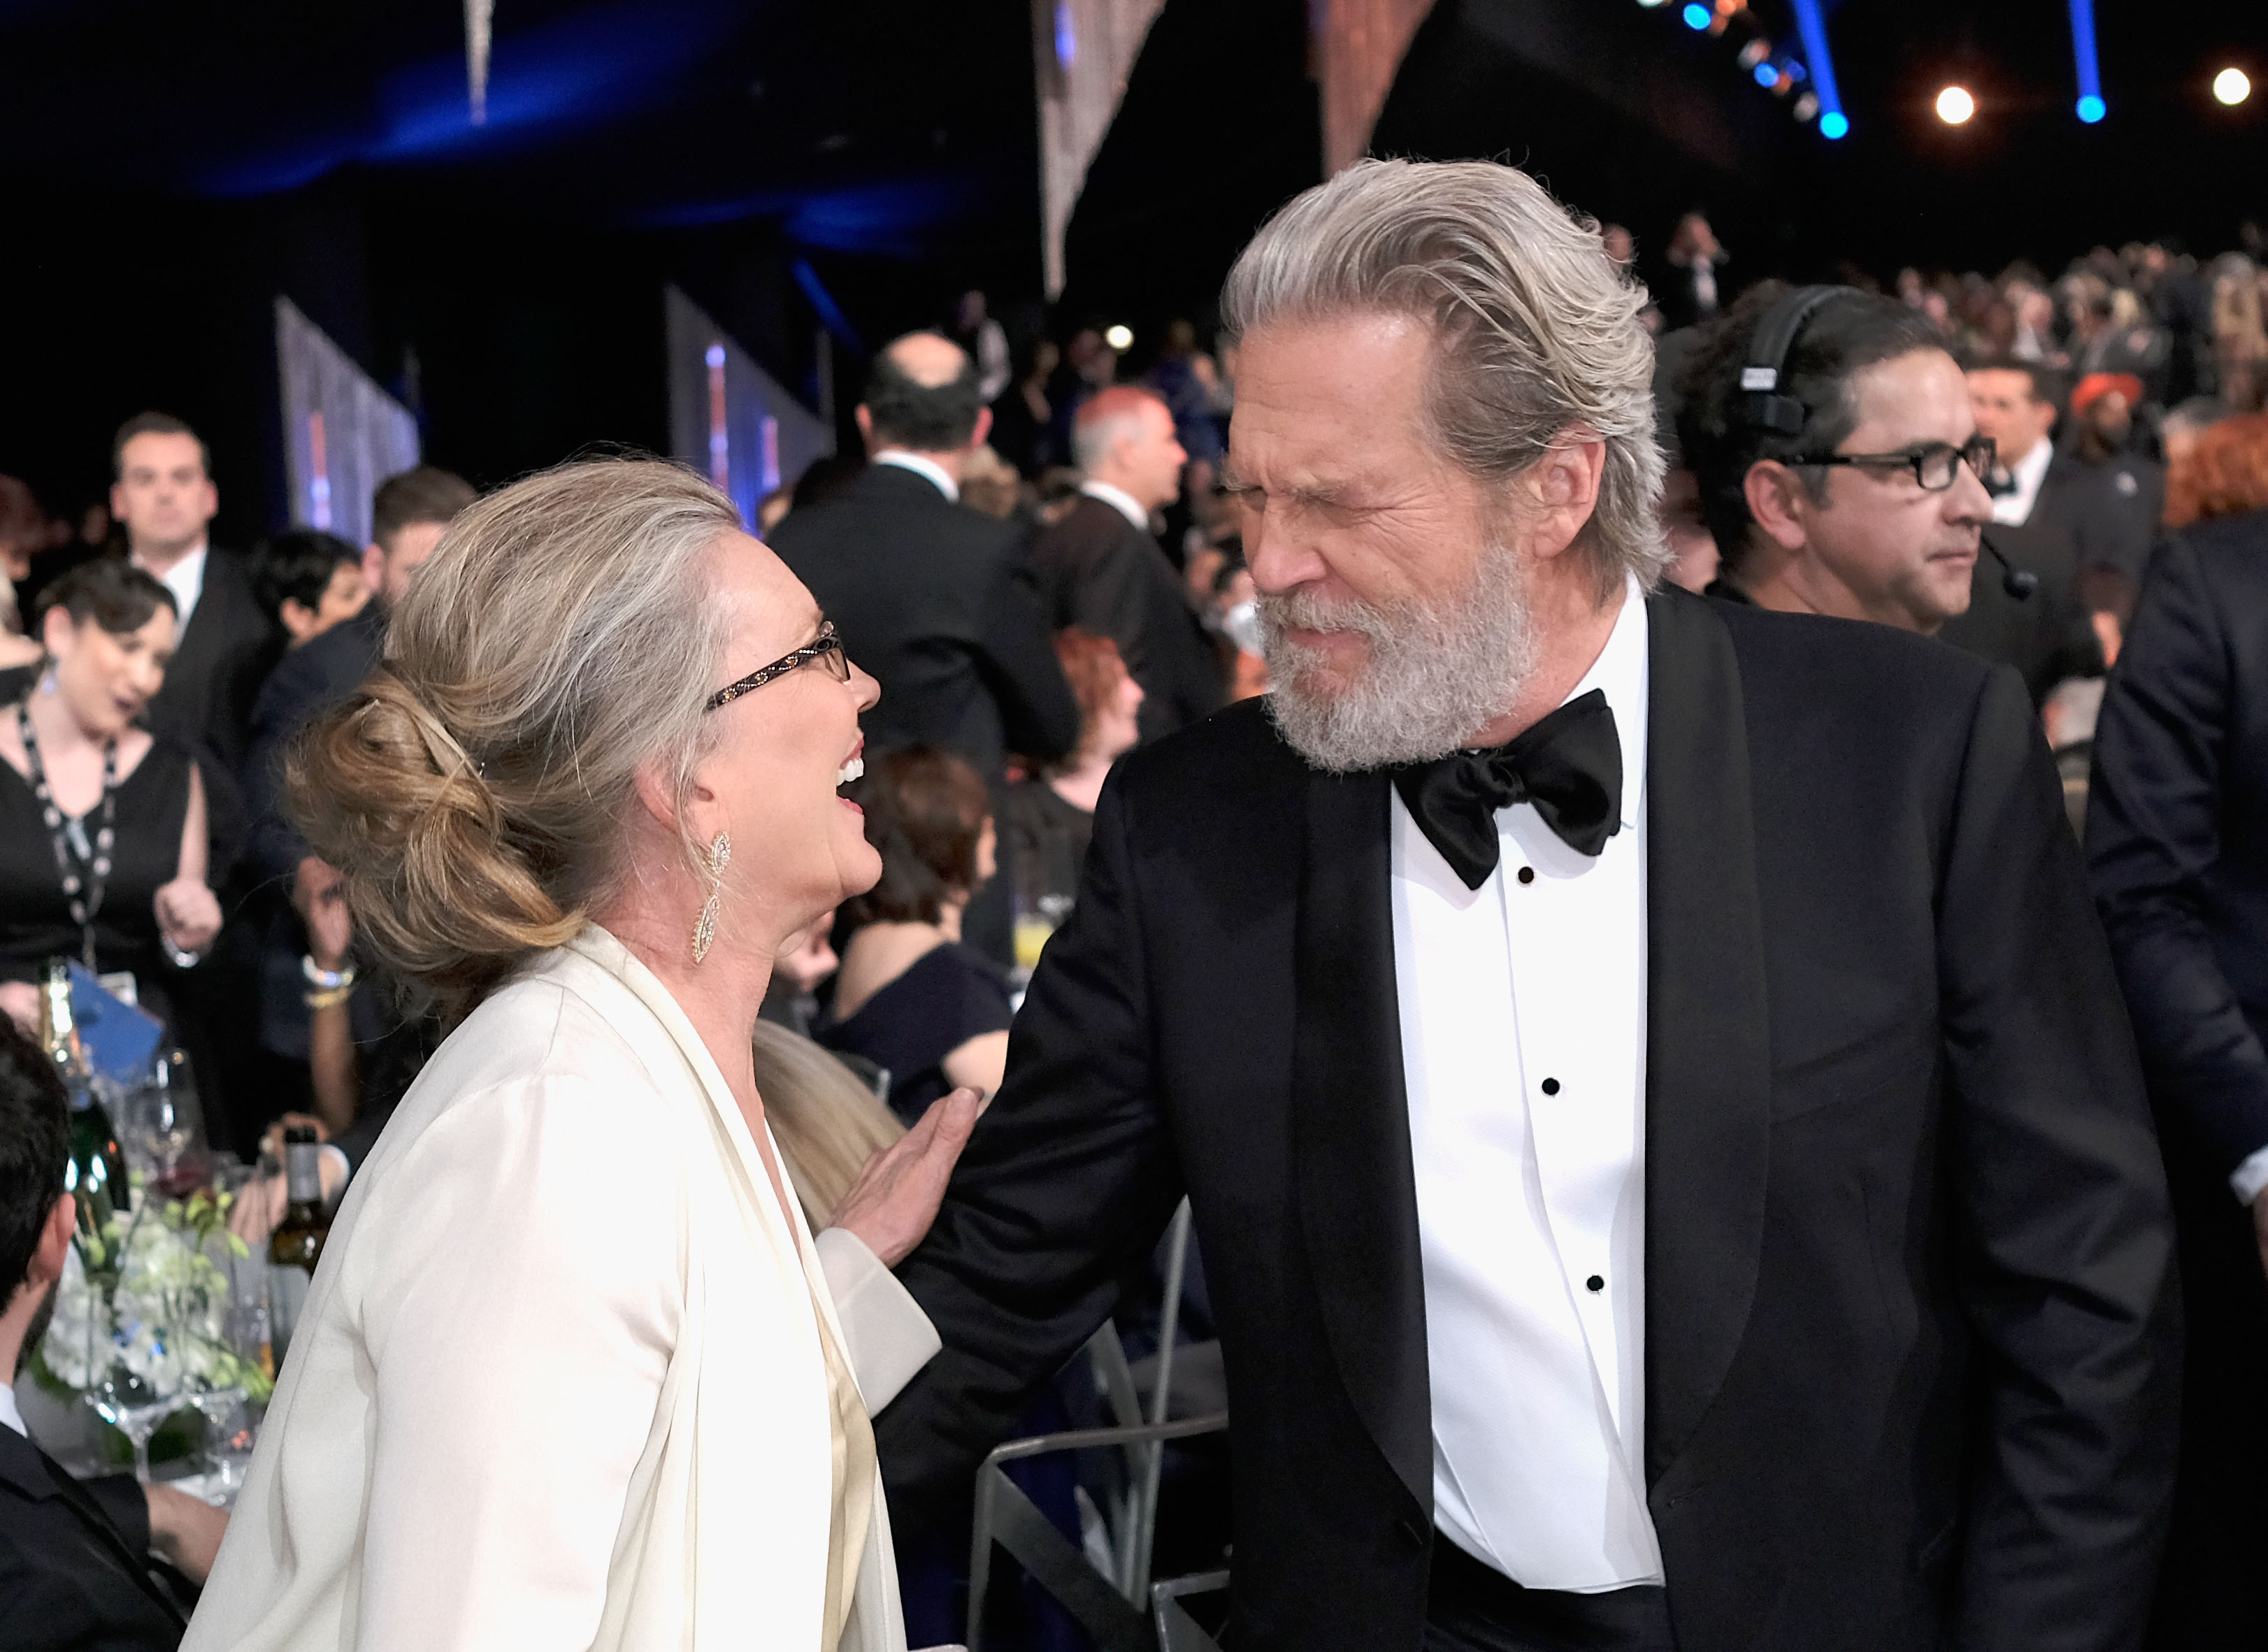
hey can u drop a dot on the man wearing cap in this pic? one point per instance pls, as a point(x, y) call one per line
point(2103, 406)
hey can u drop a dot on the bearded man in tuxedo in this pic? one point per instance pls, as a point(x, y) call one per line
point(1669, 1157)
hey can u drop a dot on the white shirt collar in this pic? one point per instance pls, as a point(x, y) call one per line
point(186, 580)
point(2028, 473)
point(1125, 503)
point(1620, 673)
point(921, 466)
point(10, 1417)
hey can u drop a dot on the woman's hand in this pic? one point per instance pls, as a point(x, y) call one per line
point(895, 1198)
point(20, 1001)
point(188, 914)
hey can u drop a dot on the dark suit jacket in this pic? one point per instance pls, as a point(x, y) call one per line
point(1099, 572)
point(1906, 1336)
point(65, 1581)
point(219, 662)
point(2177, 832)
point(936, 600)
point(305, 682)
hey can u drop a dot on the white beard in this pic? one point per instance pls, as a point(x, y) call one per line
point(1435, 675)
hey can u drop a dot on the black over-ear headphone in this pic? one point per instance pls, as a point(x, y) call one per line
point(1765, 406)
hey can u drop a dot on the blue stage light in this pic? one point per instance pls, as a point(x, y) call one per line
point(1811, 26)
point(1766, 75)
point(2089, 71)
point(1696, 15)
point(1833, 124)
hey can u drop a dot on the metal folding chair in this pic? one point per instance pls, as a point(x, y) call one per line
point(1108, 1604)
point(1178, 1631)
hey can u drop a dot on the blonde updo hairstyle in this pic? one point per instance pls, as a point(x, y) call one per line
point(472, 791)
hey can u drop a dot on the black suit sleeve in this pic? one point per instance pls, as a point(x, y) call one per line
point(1068, 1180)
point(2064, 1270)
point(1038, 712)
point(2153, 825)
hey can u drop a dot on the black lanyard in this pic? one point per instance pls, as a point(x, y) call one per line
point(84, 896)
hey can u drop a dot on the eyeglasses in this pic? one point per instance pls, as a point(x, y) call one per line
point(1934, 464)
point(826, 648)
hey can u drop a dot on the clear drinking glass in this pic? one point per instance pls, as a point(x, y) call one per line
point(162, 1120)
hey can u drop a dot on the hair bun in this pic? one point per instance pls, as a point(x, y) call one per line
point(388, 795)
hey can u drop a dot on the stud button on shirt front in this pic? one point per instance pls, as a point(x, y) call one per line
point(1534, 986)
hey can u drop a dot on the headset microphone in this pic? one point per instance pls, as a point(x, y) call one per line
point(2018, 583)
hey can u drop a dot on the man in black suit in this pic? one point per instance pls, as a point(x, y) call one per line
point(932, 598)
point(1873, 507)
point(2177, 842)
point(1670, 1166)
point(1099, 569)
point(163, 495)
point(2056, 518)
point(75, 1567)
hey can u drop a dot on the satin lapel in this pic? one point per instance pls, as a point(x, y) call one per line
point(1708, 1059)
point(1351, 1125)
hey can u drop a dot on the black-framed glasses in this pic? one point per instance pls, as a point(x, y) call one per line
point(827, 647)
point(1933, 464)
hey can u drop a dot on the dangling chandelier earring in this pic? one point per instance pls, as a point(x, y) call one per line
point(704, 932)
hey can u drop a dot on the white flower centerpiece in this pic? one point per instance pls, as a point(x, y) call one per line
point(141, 1324)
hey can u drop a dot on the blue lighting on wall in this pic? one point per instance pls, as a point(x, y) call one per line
point(1696, 15)
point(2091, 107)
point(1812, 26)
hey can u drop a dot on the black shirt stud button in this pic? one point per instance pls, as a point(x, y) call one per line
point(1594, 1283)
point(1527, 875)
point(1551, 1086)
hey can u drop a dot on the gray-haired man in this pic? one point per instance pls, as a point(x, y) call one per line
point(1666, 1147)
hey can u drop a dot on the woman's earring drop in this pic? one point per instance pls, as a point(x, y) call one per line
point(704, 932)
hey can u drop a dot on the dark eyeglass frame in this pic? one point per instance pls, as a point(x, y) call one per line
point(1979, 451)
point(827, 646)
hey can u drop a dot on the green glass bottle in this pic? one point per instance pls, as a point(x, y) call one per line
point(97, 1176)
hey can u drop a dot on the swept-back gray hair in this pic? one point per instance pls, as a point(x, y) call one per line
point(1535, 330)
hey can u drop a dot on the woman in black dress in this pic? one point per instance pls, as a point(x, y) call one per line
point(1050, 816)
point(102, 825)
point(910, 997)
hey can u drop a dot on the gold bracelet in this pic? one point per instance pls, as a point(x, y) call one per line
point(329, 997)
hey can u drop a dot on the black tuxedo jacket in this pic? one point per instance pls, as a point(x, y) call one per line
point(2075, 526)
point(72, 1577)
point(1907, 1335)
point(936, 602)
point(1099, 572)
point(2177, 843)
point(306, 682)
point(219, 662)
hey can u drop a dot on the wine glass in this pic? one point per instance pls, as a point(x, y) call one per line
point(129, 1404)
point(163, 1120)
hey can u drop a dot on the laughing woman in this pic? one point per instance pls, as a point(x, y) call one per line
point(569, 1375)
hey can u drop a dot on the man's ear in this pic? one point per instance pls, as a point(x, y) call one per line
point(374, 567)
point(983, 429)
point(1564, 488)
point(297, 618)
point(1777, 503)
point(55, 1245)
point(865, 422)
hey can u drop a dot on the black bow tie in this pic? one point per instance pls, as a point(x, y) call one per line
point(1570, 766)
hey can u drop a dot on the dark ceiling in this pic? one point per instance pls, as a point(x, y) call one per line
point(170, 168)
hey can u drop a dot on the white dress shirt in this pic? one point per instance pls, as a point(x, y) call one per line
point(2028, 473)
point(10, 1417)
point(186, 580)
point(1119, 500)
point(1523, 1023)
point(927, 469)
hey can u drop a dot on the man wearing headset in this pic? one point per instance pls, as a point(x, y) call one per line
point(1852, 484)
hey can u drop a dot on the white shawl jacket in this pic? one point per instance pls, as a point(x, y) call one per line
point(557, 1383)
